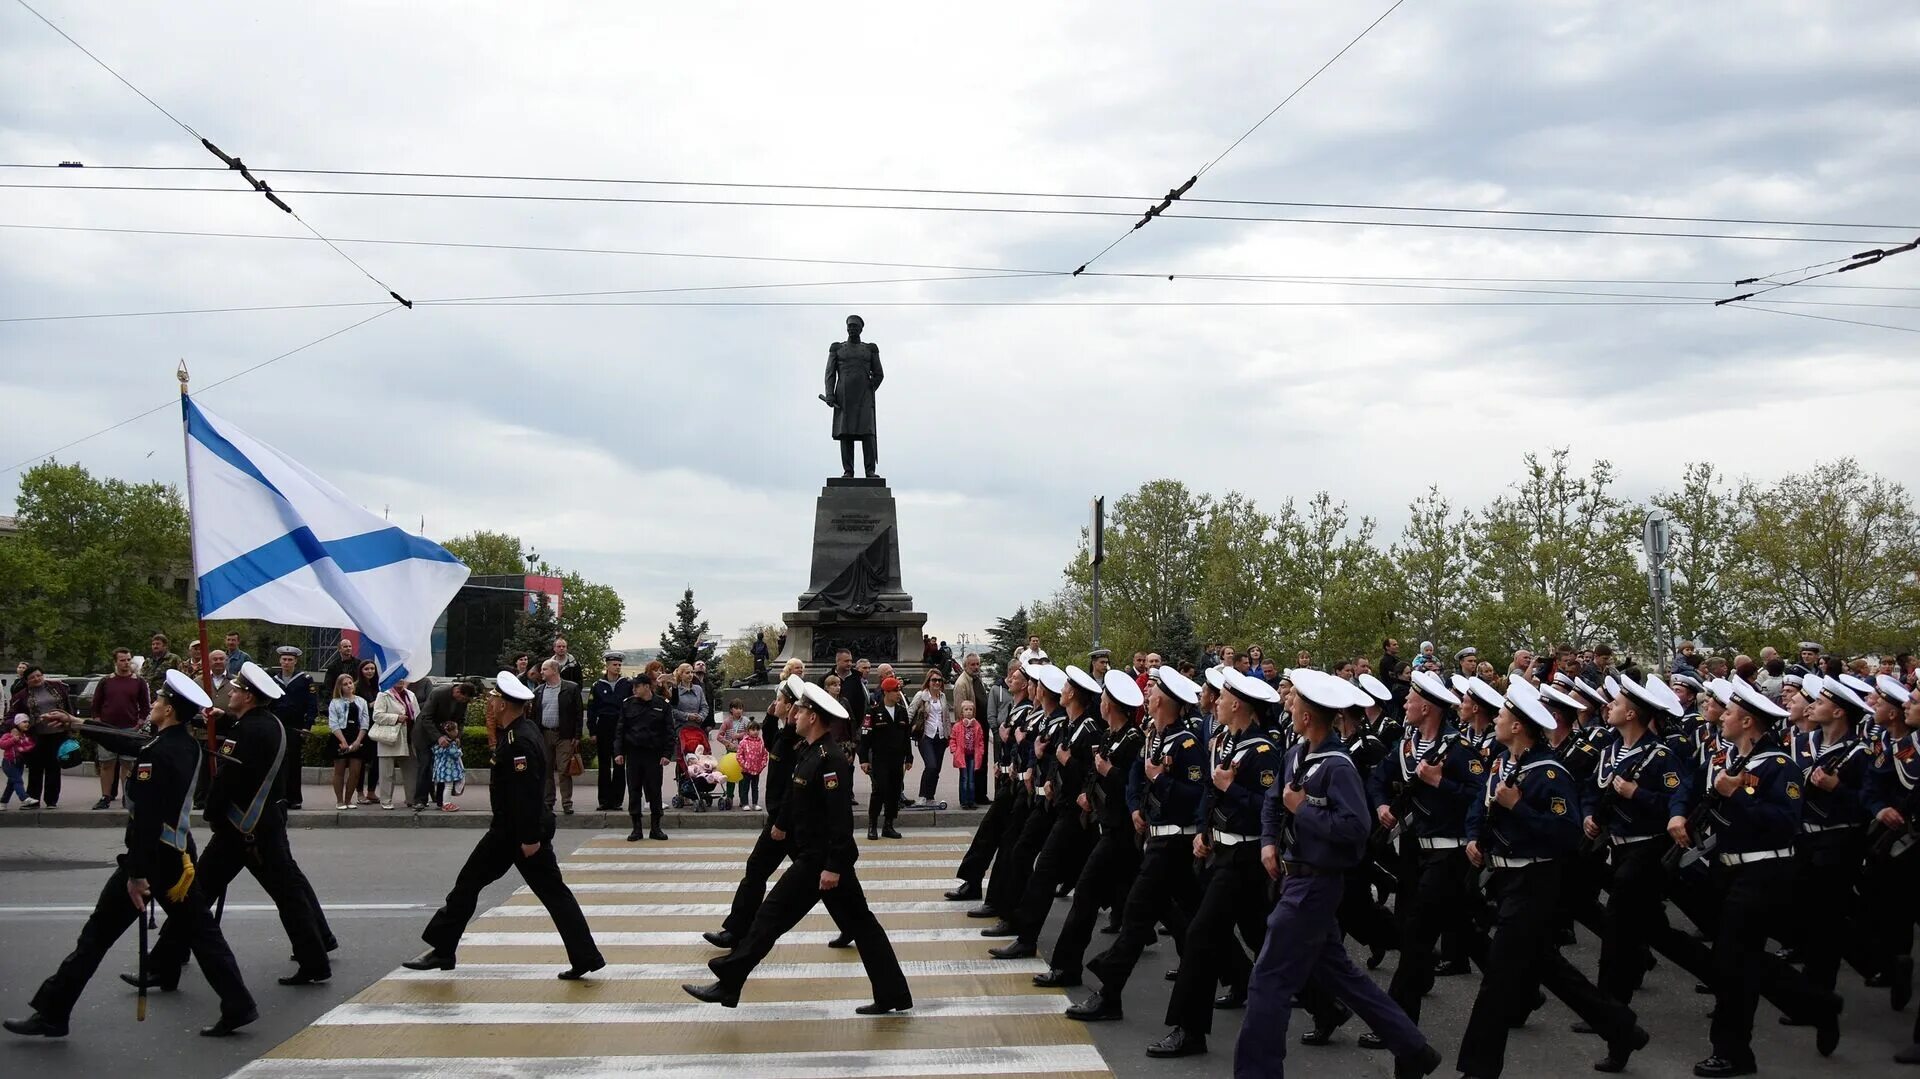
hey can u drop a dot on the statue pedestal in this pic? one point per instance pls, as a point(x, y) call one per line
point(854, 597)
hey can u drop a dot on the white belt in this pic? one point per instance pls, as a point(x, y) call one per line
point(1501, 861)
point(1441, 843)
point(1756, 856)
point(1157, 830)
point(1624, 840)
point(1233, 839)
point(1827, 827)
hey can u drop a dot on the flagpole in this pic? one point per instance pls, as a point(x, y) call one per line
point(206, 666)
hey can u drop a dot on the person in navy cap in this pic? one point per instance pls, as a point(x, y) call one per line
point(1009, 807)
point(295, 705)
point(1832, 845)
point(1163, 795)
point(1245, 766)
point(1626, 816)
point(1314, 825)
point(156, 867)
point(1528, 827)
point(520, 835)
point(1035, 765)
point(1069, 836)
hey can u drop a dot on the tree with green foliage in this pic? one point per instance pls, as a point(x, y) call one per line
point(489, 554)
point(1431, 571)
point(1708, 519)
point(533, 633)
point(737, 663)
point(590, 614)
point(97, 563)
point(1007, 636)
point(685, 641)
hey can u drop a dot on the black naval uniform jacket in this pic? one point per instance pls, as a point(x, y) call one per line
point(162, 781)
point(246, 776)
point(817, 815)
point(887, 735)
point(518, 792)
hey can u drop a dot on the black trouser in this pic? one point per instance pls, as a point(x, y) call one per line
point(113, 913)
point(423, 784)
point(1103, 882)
point(1521, 954)
point(986, 838)
point(43, 768)
point(1018, 848)
point(643, 783)
point(1360, 917)
point(793, 895)
point(290, 766)
point(267, 856)
point(889, 783)
point(870, 451)
point(1754, 899)
point(932, 752)
point(1428, 899)
point(1164, 891)
point(1884, 885)
point(613, 777)
point(1634, 915)
point(766, 857)
point(1828, 864)
point(1062, 853)
point(1235, 897)
point(980, 772)
point(496, 853)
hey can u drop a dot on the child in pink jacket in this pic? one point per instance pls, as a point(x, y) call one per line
point(14, 745)
point(969, 749)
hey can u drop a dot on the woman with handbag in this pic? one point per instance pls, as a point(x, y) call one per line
point(366, 686)
point(932, 716)
point(347, 729)
point(44, 703)
point(394, 713)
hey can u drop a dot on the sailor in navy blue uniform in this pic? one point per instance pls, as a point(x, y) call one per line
point(1007, 807)
point(1432, 776)
point(1896, 797)
point(1530, 826)
point(1245, 766)
point(1164, 796)
point(296, 706)
point(1115, 859)
point(1014, 865)
point(1314, 826)
point(157, 867)
point(1755, 805)
point(1070, 834)
point(1833, 832)
point(1626, 813)
point(604, 700)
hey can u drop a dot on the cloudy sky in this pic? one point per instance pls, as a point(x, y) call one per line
point(653, 440)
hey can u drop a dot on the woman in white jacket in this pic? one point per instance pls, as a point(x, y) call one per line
point(395, 710)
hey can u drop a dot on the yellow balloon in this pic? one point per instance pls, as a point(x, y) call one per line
point(730, 767)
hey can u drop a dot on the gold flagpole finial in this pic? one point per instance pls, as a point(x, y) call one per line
point(181, 374)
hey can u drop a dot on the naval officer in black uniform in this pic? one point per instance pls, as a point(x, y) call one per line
point(157, 867)
point(519, 836)
point(818, 816)
point(886, 754)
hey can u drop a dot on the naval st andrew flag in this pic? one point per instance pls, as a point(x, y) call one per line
point(272, 540)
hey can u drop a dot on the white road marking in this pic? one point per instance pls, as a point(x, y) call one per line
point(728, 887)
point(837, 1064)
point(733, 867)
point(663, 940)
point(683, 972)
point(702, 910)
point(690, 1012)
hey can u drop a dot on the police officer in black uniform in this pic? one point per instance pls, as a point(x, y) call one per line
point(1525, 829)
point(817, 818)
point(1115, 859)
point(645, 747)
point(1245, 765)
point(886, 754)
point(248, 818)
point(1007, 806)
point(156, 868)
point(610, 693)
point(1163, 796)
point(520, 835)
point(1069, 833)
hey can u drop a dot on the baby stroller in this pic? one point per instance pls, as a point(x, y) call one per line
point(693, 745)
point(699, 781)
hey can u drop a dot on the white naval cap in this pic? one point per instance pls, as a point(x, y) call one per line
point(1810, 684)
point(1556, 695)
point(1721, 689)
point(1755, 701)
point(1428, 685)
point(260, 681)
point(1856, 683)
point(1049, 676)
point(1254, 690)
point(1844, 694)
point(179, 685)
point(1591, 692)
point(1655, 694)
point(1323, 689)
point(1889, 687)
point(1459, 683)
point(1216, 677)
point(511, 687)
point(1082, 679)
point(1179, 685)
point(1483, 691)
point(1612, 687)
point(1122, 688)
point(1375, 688)
point(1524, 701)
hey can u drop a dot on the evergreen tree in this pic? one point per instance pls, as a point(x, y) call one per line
point(686, 640)
point(1178, 640)
point(533, 633)
point(1007, 636)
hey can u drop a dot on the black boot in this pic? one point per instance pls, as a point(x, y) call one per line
point(636, 835)
point(888, 831)
point(1617, 1053)
point(656, 833)
point(872, 832)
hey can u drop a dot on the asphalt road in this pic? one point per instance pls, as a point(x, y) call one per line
point(380, 887)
